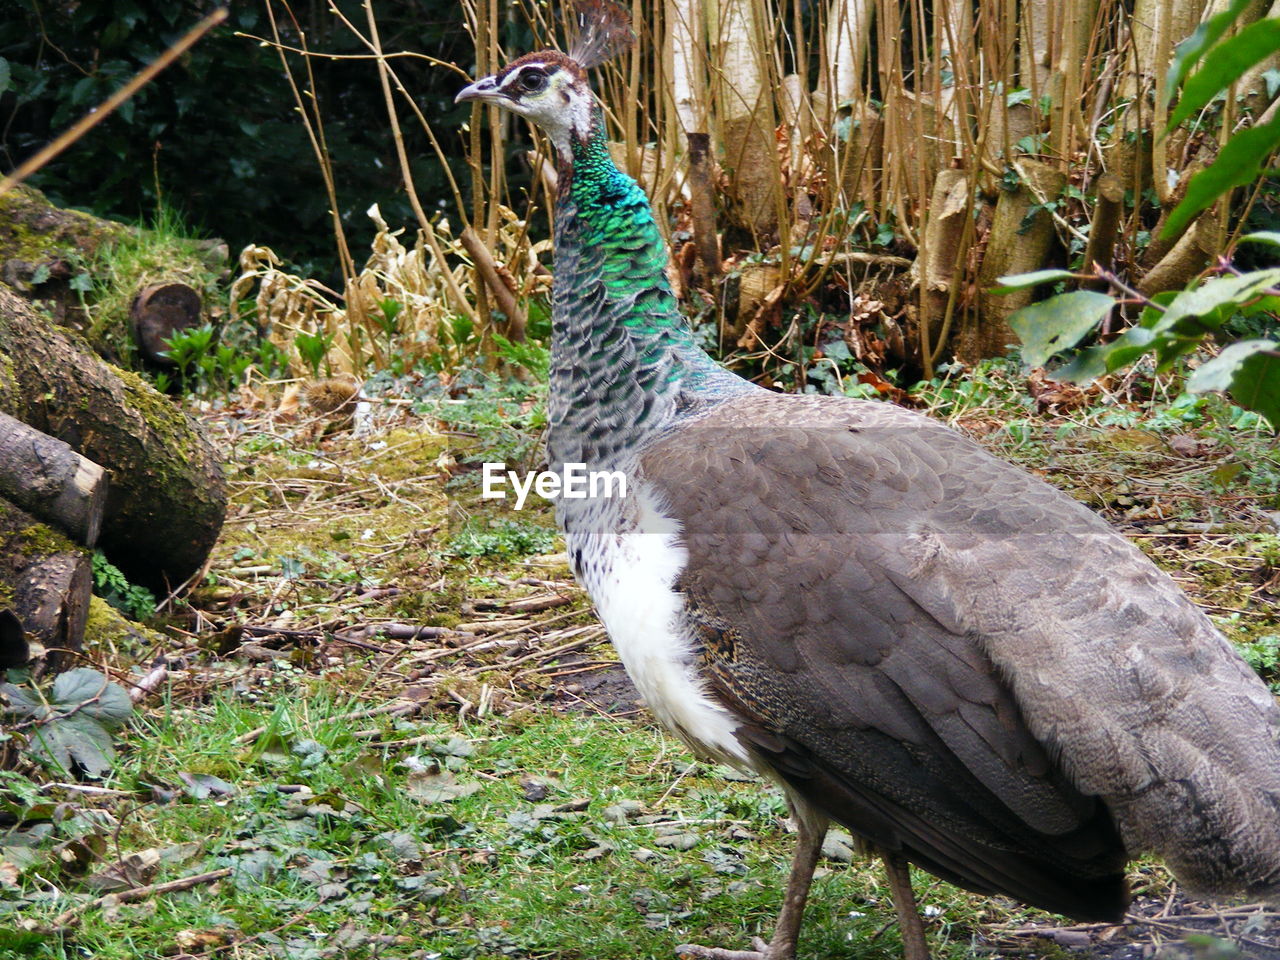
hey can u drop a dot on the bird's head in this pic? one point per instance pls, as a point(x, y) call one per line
point(550, 88)
point(546, 88)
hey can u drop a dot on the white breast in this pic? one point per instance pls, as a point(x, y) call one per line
point(630, 577)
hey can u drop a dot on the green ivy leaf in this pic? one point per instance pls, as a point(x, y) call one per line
point(1205, 36)
point(1020, 281)
point(1225, 63)
point(1249, 370)
point(1058, 323)
point(1239, 163)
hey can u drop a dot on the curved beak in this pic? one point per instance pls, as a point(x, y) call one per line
point(486, 88)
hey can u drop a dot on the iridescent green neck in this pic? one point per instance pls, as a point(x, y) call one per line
point(624, 365)
point(617, 226)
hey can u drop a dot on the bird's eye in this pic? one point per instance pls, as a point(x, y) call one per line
point(531, 81)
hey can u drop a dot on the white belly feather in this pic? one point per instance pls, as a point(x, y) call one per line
point(630, 577)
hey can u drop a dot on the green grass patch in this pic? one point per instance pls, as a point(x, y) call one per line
point(551, 835)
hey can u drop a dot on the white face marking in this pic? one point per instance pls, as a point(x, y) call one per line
point(546, 93)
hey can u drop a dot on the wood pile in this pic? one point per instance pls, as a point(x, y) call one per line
point(89, 456)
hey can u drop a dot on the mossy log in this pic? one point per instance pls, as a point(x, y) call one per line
point(167, 494)
point(43, 248)
point(46, 582)
point(49, 255)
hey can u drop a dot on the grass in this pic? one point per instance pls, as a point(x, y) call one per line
point(626, 848)
point(508, 812)
point(161, 251)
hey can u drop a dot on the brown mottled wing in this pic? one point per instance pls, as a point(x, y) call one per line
point(867, 690)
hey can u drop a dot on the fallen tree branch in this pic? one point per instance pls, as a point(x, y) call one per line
point(150, 681)
point(488, 271)
point(68, 917)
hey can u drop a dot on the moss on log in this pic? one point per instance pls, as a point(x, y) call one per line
point(46, 581)
point(167, 495)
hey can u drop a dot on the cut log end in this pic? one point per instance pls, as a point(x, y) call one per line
point(160, 311)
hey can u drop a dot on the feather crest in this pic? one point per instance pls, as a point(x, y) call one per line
point(603, 30)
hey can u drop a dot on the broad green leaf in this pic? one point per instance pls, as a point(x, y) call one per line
point(1058, 323)
point(1020, 281)
point(91, 694)
point(1224, 63)
point(67, 742)
point(1204, 308)
point(1193, 48)
point(1239, 163)
point(1263, 236)
point(1087, 365)
point(1152, 313)
point(1128, 347)
point(21, 702)
point(1093, 362)
point(1249, 370)
point(438, 787)
point(1169, 349)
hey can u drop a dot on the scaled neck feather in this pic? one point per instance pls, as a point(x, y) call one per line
point(624, 364)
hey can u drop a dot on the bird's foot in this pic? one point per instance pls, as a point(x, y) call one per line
point(762, 951)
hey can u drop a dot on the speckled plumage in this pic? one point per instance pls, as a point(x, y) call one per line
point(624, 365)
point(954, 659)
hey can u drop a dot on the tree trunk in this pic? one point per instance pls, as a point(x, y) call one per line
point(48, 478)
point(853, 157)
point(702, 208)
point(1103, 232)
point(745, 103)
point(1155, 26)
point(1020, 241)
point(46, 581)
point(1190, 255)
point(934, 269)
point(167, 495)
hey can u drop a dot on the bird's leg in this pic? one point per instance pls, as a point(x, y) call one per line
point(782, 946)
point(904, 902)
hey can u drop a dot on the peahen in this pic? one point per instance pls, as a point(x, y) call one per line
point(961, 664)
